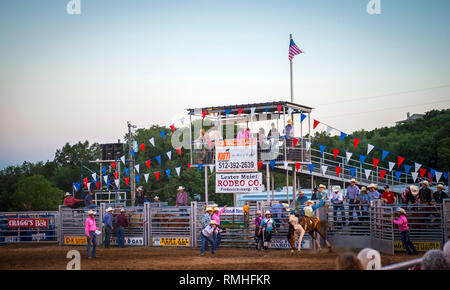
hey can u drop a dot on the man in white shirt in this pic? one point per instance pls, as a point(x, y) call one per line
point(337, 200)
point(208, 235)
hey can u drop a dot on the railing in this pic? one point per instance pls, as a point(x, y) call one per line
point(403, 265)
point(72, 225)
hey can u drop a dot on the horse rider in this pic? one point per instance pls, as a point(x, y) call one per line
point(311, 218)
point(268, 225)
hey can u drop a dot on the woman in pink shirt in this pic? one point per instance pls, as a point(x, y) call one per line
point(90, 229)
point(402, 223)
point(216, 217)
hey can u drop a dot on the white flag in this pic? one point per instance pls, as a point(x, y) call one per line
point(369, 148)
point(308, 145)
point(414, 175)
point(329, 130)
point(105, 178)
point(182, 120)
point(252, 111)
point(123, 159)
point(137, 167)
point(290, 111)
point(74, 187)
point(324, 169)
point(117, 181)
point(349, 155)
point(89, 186)
point(285, 164)
point(94, 176)
point(391, 166)
point(146, 176)
point(417, 166)
point(367, 172)
point(152, 141)
point(135, 146)
point(438, 176)
point(198, 145)
point(211, 167)
point(178, 170)
point(169, 154)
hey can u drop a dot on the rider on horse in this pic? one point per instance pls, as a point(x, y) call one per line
point(308, 210)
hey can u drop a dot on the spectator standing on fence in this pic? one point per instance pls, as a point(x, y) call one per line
point(439, 194)
point(89, 200)
point(373, 193)
point(216, 217)
point(140, 196)
point(182, 199)
point(90, 231)
point(403, 228)
point(258, 220)
point(208, 236)
point(410, 195)
point(121, 224)
point(301, 199)
point(315, 195)
point(72, 202)
point(353, 199)
point(337, 200)
point(364, 203)
point(425, 194)
point(434, 260)
point(388, 196)
point(268, 225)
point(107, 222)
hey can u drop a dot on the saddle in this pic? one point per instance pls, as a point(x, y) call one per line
point(311, 222)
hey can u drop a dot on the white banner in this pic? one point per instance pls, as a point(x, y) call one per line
point(284, 244)
point(241, 183)
point(236, 155)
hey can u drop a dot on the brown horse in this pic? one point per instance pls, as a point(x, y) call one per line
point(418, 218)
point(311, 227)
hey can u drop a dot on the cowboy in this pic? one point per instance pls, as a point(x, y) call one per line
point(140, 196)
point(411, 195)
point(425, 195)
point(337, 200)
point(439, 194)
point(72, 202)
point(258, 220)
point(353, 198)
point(373, 193)
point(89, 200)
point(90, 231)
point(121, 224)
point(320, 191)
point(402, 223)
point(388, 196)
point(301, 199)
point(267, 227)
point(208, 235)
point(206, 218)
point(216, 218)
point(107, 222)
point(311, 219)
point(364, 203)
point(181, 197)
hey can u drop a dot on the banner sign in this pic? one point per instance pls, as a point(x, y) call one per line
point(232, 225)
point(75, 240)
point(420, 246)
point(236, 155)
point(129, 241)
point(240, 183)
point(284, 244)
point(27, 223)
point(171, 242)
point(232, 211)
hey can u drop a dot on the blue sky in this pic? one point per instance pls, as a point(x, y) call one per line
point(65, 78)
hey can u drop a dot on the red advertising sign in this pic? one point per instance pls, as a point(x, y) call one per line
point(27, 223)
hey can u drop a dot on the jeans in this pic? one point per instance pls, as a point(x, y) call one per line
point(407, 244)
point(218, 240)
point(353, 208)
point(120, 237)
point(107, 236)
point(205, 240)
point(91, 239)
point(337, 207)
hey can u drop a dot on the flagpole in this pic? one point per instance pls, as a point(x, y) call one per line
point(292, 85)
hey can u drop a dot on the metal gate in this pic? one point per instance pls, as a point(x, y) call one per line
point(72, 225)
point(446, 219)
point(382, 228)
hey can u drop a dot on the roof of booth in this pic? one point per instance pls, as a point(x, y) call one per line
point(271, 107)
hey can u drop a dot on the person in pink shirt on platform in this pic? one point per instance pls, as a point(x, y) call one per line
point(216, 217)
point(90, 230)
point(243, 134)
point(402, 223)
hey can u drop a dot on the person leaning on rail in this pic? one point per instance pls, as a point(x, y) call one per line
point(439, 194)
point(425, 195)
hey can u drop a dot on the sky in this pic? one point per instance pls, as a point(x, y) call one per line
point(69, 78)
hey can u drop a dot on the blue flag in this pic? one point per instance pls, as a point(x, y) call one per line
point(77, 186)
point(272, 164)
point(163, 135)
point(104, 170)
point(137, 178)
point(227, 112)
point(446, 175)
point(432, 172)
point(127, 171)
point(343, 135)
point(362, 158)
point(397, 174)
point(132, 154)
point(107, 183)
point(407, 168)
point(267, 110)
point(352, 171)
point(311, 167)
point(385, 153)
point(200, 167)
point(322, 149)
point(159, 159)
point(302, 117)
point(168, 172)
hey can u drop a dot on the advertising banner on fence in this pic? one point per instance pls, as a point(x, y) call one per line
point(236, 155)
point(284, 244)
point(240, 183)
point(420, 246)
point(27, 223)
point(129, 241)
point(171, 241)
point(75, 240)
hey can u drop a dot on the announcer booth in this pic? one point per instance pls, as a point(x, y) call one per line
point(240, 141)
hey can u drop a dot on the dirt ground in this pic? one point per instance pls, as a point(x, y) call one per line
point(53, 257)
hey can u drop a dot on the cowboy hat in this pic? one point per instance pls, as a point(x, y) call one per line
point(208, 208)
point(122, 210)
point(440, 186)
point(67, 194)
point(401, 210)
point(91, 212)
point(310, 201)
point(180, 188)
point(414, 190)
point(322, 186)
point(156, 197)
point(258, 212)
point(267, 212)
point(353, 180)
point(109, 209)
point(372, 185)
point(215, 208)
point(336, 188)
point(289, 121)
point(140, 188)
point(425, 182)
point(212, 222)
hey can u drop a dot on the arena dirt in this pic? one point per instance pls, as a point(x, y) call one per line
point(47, 257)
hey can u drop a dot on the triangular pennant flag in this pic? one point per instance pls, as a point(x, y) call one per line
point(142, 146)
point(322, 149)
point(85, 180)
point(137, 167)
point(159, 159)
point(272, 164)
point(430, 177)
point(182, 120)
point(279, 108)
point(294, 141)
point(323, 168)
point(188, 165)
point(400, 160)
point(375, 162)
point(157, 175)
point(117, 182)
point(382, 173)
point(172, 127)
point(147, 163)
point(113, 165)
point(168, 173)
point(338, 170)
point(240, 110)
point(104, 170)
point(178, 169)
point(137, 177)
point(94, 176)
point(311, 167)
point(308, 145)
point(179, 151)
point(227, 112)
point(116, 175)
point(329, 130)
point(302, 117)
point(127, 179)
point(285, 164)
point(367, 173)
point(297, 166)
point(259, 166)
point(362, 158)
point(290, 111)
point(211, 167)
point(146, 177)
point(352, 171)
point(438, 175)
point(152, 141)
point(407, 168)
point(348, 155)
point(384, 154)
point(127, 171)
point(105, 178)
point(369, 148)
point(169, 154)
point(132, 154)
point(252, 111)
point(391, 166)
point(107, 183)
point(135, 146)
point(163, 134)
point(200, 167)
point(433, 172)
point(422, 172)
point(414, 175)
point(343, 135)
point(77, 186)
point(203, 114)
point(446, 175)
point(315, 124)
point(355, 142)
point(335, 152)
point(123, 159)
point(397, 174)
point(417, 166)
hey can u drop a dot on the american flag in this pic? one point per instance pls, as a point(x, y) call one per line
point(293, 50)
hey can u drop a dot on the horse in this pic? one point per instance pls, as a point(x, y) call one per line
point(418, 219)
point(295, 231)
point(314, 227)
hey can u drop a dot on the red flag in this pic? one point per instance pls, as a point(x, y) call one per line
point(335, 152)
point(422, 172)
point(259, 166)
point(375, 162)
point(98, 185)
point(189, 165)
point(142, 147)
point(297, 166)
point(85, 180)
point(382, 173)
point(116, 175)
point(279, 108)
point(355, 142)
point(203, 114)
point(179, 151)
point(157, 175)
point(400, 160)
point(240, 111)
point(127, 179)
point(148, 163)
point(338, 170)
point(172, 127)
point(295, 141)
point(113, 164)
point(315, 124)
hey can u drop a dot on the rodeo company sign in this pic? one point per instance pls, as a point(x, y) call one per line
point(239, 183)
point(171, 242)
point(284, 244)
point(236, 155)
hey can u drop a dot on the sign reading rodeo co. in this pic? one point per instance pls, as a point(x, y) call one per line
point(236, 155)
point(241, 183)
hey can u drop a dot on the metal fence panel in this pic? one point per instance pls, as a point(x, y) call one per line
point(170, 226)
point(72, 225)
